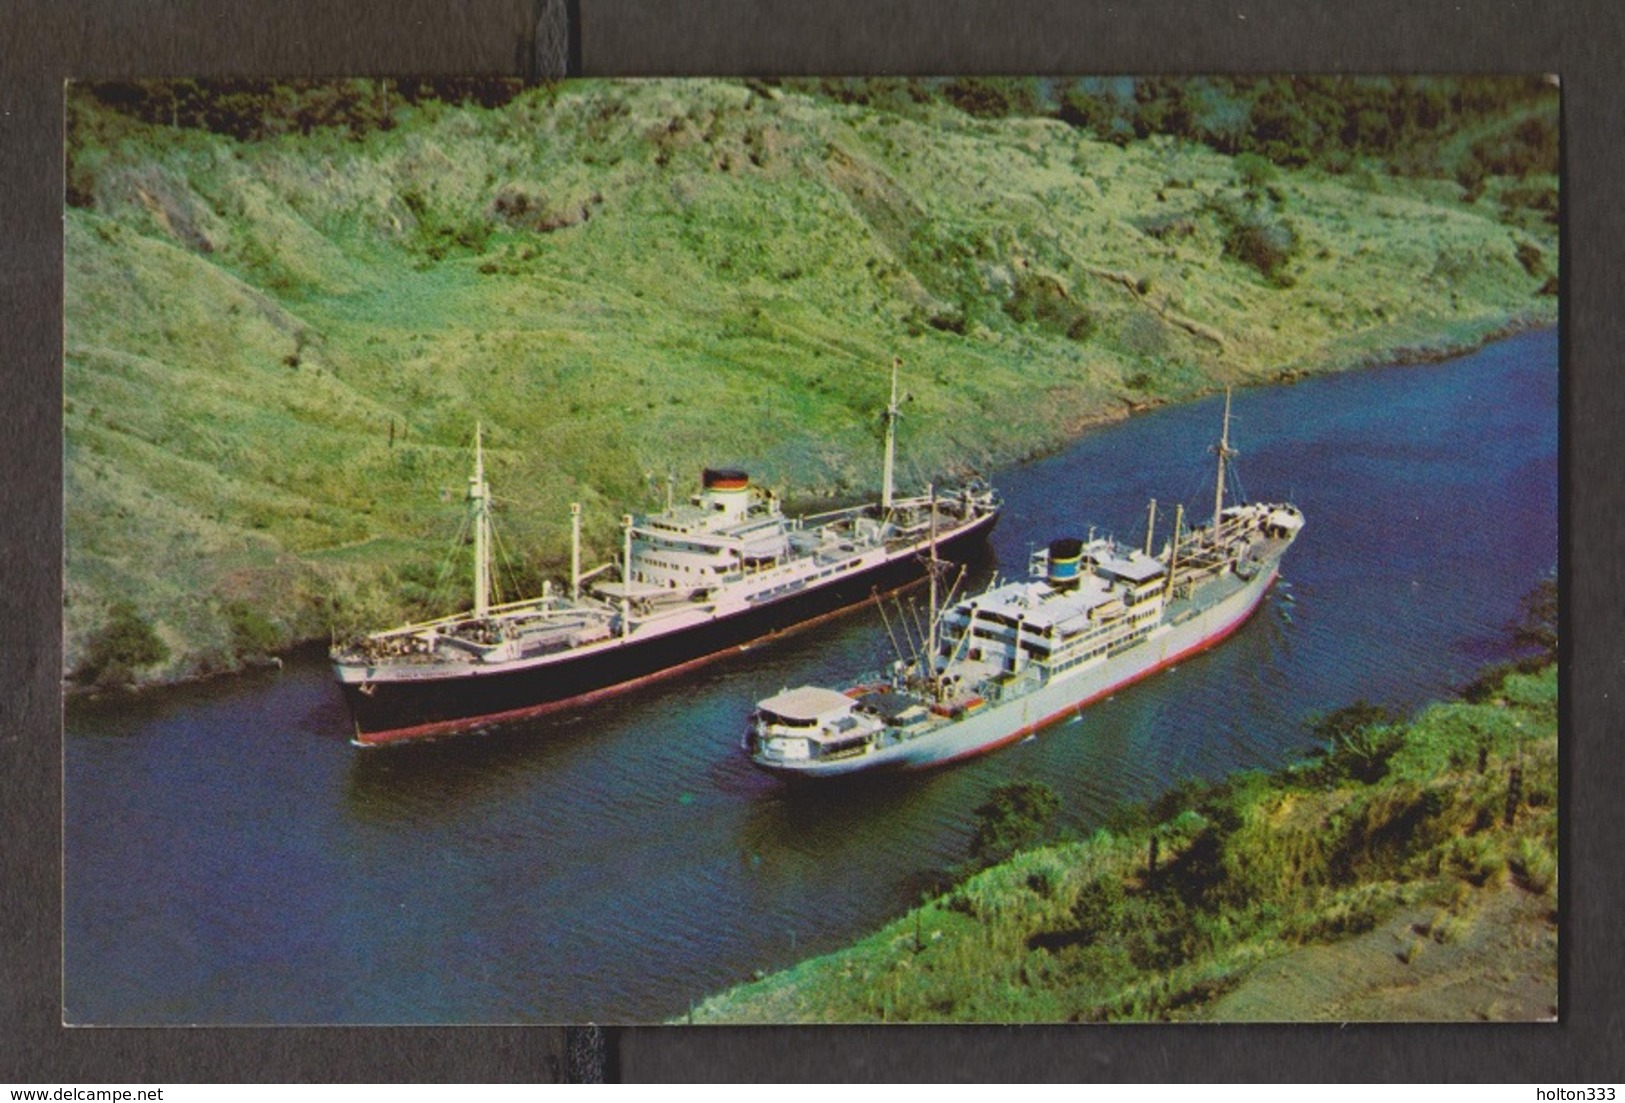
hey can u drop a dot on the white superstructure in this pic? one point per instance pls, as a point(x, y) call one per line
point(1091, 616)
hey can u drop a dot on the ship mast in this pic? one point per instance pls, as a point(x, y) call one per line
point(575, 551)
point(626, 575)
point(931, 622)
point(891, 441)
point(1225, 452)
point(1173, 550)
point(479, 497)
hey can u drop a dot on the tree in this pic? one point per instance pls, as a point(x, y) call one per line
point(125, 644)
point(1359, 739)
point(993, 97)
point(1254, 172)
point(1014, 817)
point(1538, 628)
point(1265, 244)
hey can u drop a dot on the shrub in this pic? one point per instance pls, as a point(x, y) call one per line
point(1487, 685)
point(1538, 198)
point(126, 644)
point(1082, 327)
point(1387, 829)
point(1539, 626)
point(1535, 866)
point(1099, 911)
point(1264, 244)
point(1043, 301)
point(1350, 913)
point(1476, 859)
point(436, 233)
point(1044, 881)
point(253, 635)
point(1014, 817)
point(1170, 226)
point(1253, 172)
point(1256, 239)
point(993, 97)
point(1530, 256)
point(1359, 739)
point(1472, 176)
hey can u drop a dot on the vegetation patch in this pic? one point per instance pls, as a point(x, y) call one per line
point(120, 649)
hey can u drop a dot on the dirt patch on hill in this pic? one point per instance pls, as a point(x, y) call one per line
point(1490, 956)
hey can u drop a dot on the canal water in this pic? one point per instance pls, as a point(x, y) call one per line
point(230, 858)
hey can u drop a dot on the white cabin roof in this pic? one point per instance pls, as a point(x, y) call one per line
point(1040, 605)
point(709, 529)
point(806, 703)
point(1136, 566)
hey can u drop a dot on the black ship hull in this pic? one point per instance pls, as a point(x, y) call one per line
point(387, 712)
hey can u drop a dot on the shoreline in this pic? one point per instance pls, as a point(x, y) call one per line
point(1394, 356)
point(1391, 356)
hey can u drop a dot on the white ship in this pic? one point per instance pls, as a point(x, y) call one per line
point(1091, 617)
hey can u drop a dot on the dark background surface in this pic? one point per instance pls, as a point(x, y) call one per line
point(48, 41)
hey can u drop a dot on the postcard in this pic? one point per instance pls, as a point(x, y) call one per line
point(757, 551)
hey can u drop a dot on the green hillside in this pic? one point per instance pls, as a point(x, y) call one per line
point(287, 308)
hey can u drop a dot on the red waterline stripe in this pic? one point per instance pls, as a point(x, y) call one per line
point(1196, 648)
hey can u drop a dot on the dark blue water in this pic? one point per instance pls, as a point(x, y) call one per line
point(231, 859)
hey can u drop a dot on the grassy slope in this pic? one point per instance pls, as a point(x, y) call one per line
point(1302, 896)
point(622, 280)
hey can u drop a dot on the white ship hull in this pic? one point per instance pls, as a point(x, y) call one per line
point(1021, 714)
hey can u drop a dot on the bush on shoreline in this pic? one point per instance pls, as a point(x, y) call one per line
point(121, 649)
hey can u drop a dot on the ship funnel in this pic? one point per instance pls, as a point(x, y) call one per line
point(725, 478)
point(1065, 556)
point(727, 492)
